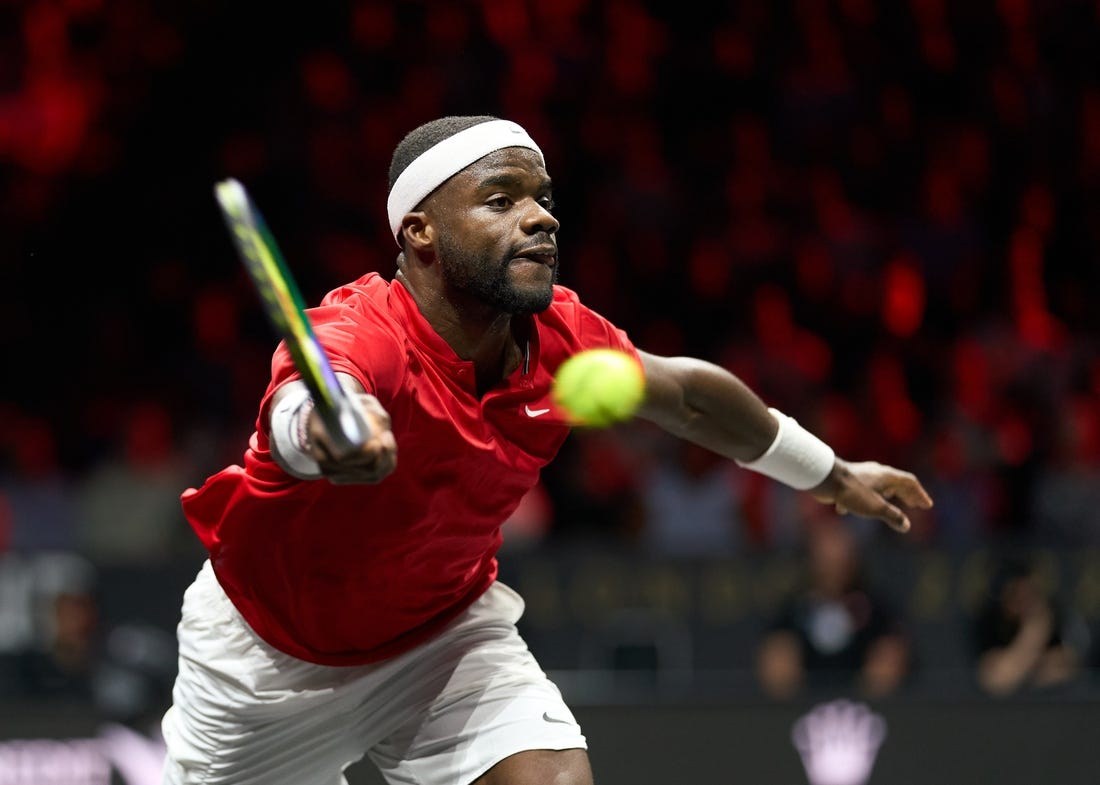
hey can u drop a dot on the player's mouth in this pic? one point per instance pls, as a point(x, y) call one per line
point(542, 254)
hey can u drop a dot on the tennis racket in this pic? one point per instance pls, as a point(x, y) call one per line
point(285, 310)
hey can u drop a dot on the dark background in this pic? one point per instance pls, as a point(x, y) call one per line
point(882, 216)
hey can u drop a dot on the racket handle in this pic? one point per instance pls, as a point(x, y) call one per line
point(345, 424)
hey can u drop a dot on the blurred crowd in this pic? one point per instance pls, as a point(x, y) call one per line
point(882, 216)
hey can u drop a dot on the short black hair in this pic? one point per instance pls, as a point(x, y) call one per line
point(428, 135)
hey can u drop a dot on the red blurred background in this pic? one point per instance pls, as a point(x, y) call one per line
point(883, 216)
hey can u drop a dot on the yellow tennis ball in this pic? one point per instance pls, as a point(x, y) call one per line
point(599, 387)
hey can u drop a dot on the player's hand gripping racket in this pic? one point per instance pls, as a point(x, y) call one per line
point(286, 310)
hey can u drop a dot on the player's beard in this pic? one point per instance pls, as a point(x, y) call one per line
point(488, 281)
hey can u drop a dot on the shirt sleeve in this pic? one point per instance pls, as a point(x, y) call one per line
point(589, 329)
point(355, 343)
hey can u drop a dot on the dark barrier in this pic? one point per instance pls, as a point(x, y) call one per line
point(1013, 742)
point(1008, 743)
point(684, 708)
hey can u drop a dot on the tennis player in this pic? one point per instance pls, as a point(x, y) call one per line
point(350, 604)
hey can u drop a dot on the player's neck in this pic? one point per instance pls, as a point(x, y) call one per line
point(486, 338)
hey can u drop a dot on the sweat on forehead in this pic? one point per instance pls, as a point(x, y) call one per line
point(447, 157)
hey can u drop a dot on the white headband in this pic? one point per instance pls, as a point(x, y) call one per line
point(435, 165)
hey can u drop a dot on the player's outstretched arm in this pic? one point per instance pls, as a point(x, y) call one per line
point(708, 405)
point(303, 447)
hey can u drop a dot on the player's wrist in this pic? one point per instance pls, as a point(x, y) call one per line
point(795, 457)
point(289, 434)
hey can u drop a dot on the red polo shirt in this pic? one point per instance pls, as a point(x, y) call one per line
point(350, 574)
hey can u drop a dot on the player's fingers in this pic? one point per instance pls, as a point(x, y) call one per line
point(374, 412)
point(384, 453)
point(376, 460)
point(893, 517)
point(378, 455)
point(912, 493)
point(324, 452)
point(896, 484)
point(322, 446)
point(866, 502)
point(372, 461)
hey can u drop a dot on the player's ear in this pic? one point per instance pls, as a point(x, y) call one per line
point(418, 230)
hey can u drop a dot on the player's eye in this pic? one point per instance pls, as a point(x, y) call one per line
point(548, 204)
point(500, 201)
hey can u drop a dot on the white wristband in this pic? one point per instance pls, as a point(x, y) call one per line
point(796, 457)
point(290, 434)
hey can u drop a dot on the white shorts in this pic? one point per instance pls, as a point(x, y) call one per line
point(441, 714)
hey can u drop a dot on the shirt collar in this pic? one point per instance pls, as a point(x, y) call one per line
point(424, 335)
point(419, 328)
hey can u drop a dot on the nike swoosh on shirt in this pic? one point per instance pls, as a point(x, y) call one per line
point(546, 716)
point(534, 412)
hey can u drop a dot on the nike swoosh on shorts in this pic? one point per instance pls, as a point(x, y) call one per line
point(546, 716)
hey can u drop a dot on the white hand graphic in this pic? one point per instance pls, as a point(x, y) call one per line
point(137, 758)
point(838, 742)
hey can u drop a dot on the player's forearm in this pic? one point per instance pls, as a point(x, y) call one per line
point(708, 405)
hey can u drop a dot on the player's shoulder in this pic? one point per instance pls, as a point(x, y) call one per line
point(365, 301)
point(369, 290)
point(567, 308)
point(357, 321)
point(360, 308)
point(574, 325)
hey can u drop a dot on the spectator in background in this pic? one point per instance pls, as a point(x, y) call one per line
point(691, 501)
point(38, 511)
point(1022, 638)
point(1066, 508)
point(129, 501)
point(835, 633)
point(62, 660)
point(133, 681)
point(592, 487)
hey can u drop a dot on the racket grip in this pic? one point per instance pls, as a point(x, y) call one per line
point(346, 424)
